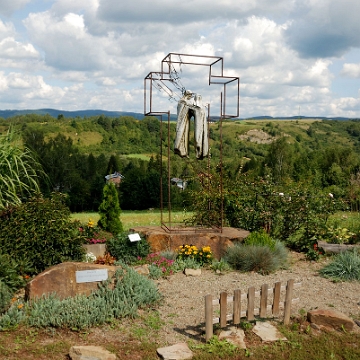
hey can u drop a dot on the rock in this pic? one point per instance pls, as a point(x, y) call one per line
point(61, 279)
point(267, 332)
point(330, 319)
point(175, 352)
point(142, 269)
point(96, 249)
point(161, 240)
point(192, 272)
point(335, 248)
point(90, 353)
point(234, 336)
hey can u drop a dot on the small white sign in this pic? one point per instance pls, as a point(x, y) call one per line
point(134, 237)
point(85, 276)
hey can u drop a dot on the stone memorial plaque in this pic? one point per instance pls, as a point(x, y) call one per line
point(134, 237)
point(85, 276)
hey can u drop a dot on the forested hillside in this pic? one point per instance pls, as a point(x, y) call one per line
point(77, 153)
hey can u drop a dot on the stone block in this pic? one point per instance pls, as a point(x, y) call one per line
point(175, 352)
point(96, 249)
point(330, 319)
point(90, 353)
point(61, 279)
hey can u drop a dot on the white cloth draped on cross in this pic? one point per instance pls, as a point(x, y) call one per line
point(186, 109)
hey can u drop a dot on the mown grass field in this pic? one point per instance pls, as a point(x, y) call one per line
point(132, 219)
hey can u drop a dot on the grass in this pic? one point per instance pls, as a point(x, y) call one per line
point(132, 219)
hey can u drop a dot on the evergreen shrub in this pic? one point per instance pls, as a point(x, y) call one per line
point(109, 210)
point(39, 233)
point(5, 297)
point(121, 248)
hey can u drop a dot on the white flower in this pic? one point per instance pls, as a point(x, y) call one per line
point(90, 257)
point(281, 194)
point(331, 195)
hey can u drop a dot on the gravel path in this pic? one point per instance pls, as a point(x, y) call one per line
point(183, 306)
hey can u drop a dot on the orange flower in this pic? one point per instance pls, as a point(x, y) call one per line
point(20, 306)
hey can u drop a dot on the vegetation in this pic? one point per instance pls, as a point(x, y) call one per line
point(345, 266)
point(109, 210)
point(39, 233)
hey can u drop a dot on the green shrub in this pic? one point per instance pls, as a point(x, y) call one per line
point(345, 266)
point(11, 274)
point(40, 233)
point(155, 272)
point(109, 210)
point(256, 258)
point(260, 238)
point(220, 266)
point(131, 292)
point(126, 251)
point(186, 263)
point(5, 297)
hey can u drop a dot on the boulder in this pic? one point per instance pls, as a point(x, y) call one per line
point(90, 353)
point(330, 319)
point(160, 239)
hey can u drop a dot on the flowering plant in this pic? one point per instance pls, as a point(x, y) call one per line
point(202, 256)
point(164, 264)
point(91, 233)
point(314, 253)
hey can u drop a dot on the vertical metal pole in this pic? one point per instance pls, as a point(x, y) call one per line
point(169, 167)
point(161, 173)
point(221, 167)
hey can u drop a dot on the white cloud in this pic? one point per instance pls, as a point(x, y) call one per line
point(7, 7)
point(351, 70)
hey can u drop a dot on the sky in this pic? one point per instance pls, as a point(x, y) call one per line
point(293, 57)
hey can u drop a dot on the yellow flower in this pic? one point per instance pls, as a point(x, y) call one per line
point(208, 256)
point(195, 252)
point(20, 306)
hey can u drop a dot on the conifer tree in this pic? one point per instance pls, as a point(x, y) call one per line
point(109, 210)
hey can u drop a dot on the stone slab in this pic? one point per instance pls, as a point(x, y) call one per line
point(161, 240)
point(330, 319)
point(175, 352)
point(61, 279)
point(234, 336)
point(90, 353)
point(96, 249)
point(267, 332)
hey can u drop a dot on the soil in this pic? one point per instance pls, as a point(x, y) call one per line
point(183, 306)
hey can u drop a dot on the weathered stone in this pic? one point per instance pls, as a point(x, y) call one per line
point(90, 353)
point(61, 279)
point(175, 352)
point(96, 249)
point(331, 319)
point(192, 272)
point(142, 269)
point(234, 336)
point(161, 240)
point(267, 332)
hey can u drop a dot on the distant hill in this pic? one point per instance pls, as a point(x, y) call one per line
point(69, 114)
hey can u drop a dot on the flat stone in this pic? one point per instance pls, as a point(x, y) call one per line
point(234, 336)
point(90, 353)
point(192, 272)
point(96, 249)
point(267, 332)
point(142, 269)
point(161, 240)
point(175, 352)
point(330, 319)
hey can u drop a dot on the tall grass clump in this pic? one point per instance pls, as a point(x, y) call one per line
point(259, 253)
point(345, 266)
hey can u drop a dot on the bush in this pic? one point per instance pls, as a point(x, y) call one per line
point(262, 259)
point(131, 292)
point(11, 274)
point(40, 233)
point(260, 238)
point(109, 210)
point(345, 266)
point(121, 248)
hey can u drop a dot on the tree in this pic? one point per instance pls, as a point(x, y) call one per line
point(109, 210)
point(17, 171)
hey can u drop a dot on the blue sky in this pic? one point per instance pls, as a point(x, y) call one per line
point(94, 54)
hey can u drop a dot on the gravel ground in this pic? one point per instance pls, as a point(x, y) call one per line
point(183, 307)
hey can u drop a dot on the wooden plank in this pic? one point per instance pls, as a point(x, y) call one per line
point(288, 301)
point(237, 307)
point(223, 309)
point(276, 300)
point(251, 303)
point(209, 330)
point(263, 300)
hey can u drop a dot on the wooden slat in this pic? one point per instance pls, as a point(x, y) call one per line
point(208, 317)
point(251, 304)
point(237, 307)
point(288, 301)
point(276, 300)
point(223, 309)
point(263, 300)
